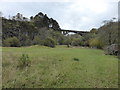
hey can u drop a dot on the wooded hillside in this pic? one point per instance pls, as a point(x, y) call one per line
point(42, 30)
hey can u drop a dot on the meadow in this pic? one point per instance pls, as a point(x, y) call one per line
point(59, 67)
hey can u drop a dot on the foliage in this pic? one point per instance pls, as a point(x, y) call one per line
point(12, 42)
point(108, 33)
point(26, 31)
point(76, 59)
point(96, 43)
point(40, 27)
point(94, 30)
point(25, 40)
point(24, 61)
point(77, 42)
point(38, 41)
point(67, 40)
point(105, 35)
point(50, 42)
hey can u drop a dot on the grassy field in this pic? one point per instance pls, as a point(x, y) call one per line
point(60, 67)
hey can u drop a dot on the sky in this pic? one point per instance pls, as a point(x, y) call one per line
point(82, 15)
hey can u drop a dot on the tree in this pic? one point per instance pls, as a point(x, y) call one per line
point(96, 43)
point(94, 30)
point(50, 42)
point(31, 18)
point(38, 41)
point(108, 34)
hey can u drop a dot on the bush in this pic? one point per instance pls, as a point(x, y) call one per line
point(11, 42)
point(50, 42)
point(25, 40)
point(24, 61)
point(77, 42)
point(75, 59)
point(38, 41)
point(96, 43)
point(67, 40)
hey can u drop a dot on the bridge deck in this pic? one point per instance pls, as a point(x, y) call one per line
point(75, 31)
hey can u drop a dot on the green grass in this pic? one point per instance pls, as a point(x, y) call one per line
point(60, 67)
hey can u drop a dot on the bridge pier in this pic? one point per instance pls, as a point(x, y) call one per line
point(64, 32)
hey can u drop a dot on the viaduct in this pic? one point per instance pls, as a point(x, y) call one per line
point(65, 32)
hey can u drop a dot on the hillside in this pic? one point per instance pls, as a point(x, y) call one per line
point(26, 30)
point(42, 30)
point(108, 33)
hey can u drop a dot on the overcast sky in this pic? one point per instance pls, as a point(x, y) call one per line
point(70, 14)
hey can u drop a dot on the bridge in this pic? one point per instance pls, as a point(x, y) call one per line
point(65, 32)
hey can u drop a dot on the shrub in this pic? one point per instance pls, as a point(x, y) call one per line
point(12, 42)
point(77, 42)
point(38, 41)
point(75, 59)
point(50, 42)
point(24, 61)
point(96, 43)
point(25, 40)
point(67, 40)
point(94, 30)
